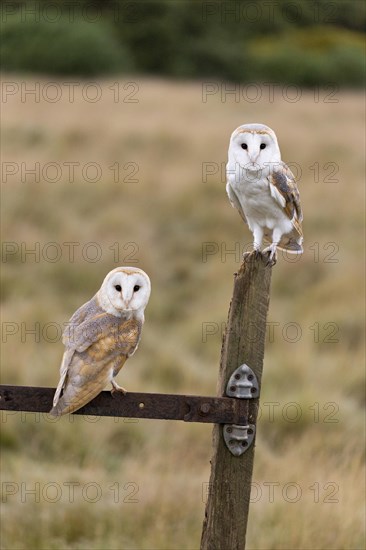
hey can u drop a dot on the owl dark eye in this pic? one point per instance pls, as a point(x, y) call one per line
point(244, 146)
point(263, 146)
point(118, 288)
point(136, 288)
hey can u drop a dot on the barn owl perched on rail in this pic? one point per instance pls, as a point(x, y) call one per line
point(264, 190)
point(99, 338)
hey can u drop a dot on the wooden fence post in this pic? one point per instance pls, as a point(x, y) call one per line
point(227, 507)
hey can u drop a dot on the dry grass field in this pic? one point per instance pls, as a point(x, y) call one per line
point(141, 183)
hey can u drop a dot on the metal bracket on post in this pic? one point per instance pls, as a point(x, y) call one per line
point(242, 384)
point(238, 438)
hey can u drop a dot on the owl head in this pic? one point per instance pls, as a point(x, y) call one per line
point(254, 147)
point(125, 292)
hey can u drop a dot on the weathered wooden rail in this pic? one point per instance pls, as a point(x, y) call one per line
point(160, 406)
point(227, 507)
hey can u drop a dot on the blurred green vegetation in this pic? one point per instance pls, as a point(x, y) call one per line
point(305, 43)
point(311, 56)
point(61, 48)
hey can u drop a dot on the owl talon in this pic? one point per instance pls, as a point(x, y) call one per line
point(117, 389)
point(272, 255)
point(271, 262)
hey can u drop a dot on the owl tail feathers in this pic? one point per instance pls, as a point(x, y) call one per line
point(56, 410)
point(290, 242)
point(74, 398)
point(292, 245)
point(62, 408)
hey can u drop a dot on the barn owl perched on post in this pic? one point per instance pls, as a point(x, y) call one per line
point(264, 190)
point(99, 338)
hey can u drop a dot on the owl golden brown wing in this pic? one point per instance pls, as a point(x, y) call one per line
point(91, 369)
point(84, 381)
point(81, 331)
point(284, 189)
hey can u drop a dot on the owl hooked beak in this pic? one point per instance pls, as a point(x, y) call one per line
point(252, 166)
point(126, 304)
